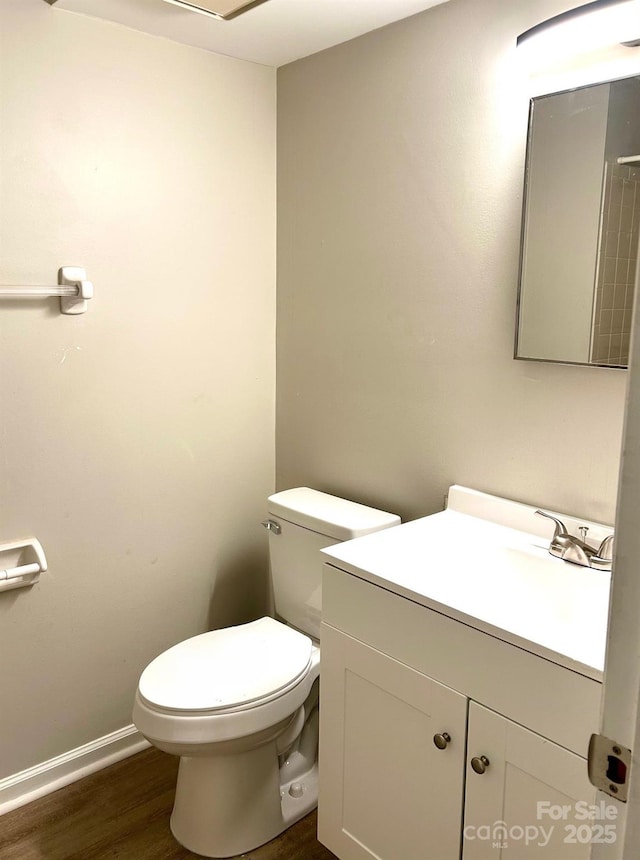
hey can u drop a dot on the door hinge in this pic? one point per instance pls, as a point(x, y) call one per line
point(609, 766)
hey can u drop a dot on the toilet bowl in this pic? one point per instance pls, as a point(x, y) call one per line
point(240, 705)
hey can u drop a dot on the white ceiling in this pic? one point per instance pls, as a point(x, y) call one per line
point(273, 33)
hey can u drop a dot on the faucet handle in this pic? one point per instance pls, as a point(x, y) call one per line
point(560, 529)
point(605, 550)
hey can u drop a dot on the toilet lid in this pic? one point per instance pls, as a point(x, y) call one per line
point(227, 668)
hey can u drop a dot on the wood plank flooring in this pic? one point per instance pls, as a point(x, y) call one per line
point(123, 812)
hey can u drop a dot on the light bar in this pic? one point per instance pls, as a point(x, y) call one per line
point(593, 25)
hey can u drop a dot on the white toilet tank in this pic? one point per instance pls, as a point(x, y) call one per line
point(301, 523)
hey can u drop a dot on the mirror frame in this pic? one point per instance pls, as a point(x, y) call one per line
point(523, 222)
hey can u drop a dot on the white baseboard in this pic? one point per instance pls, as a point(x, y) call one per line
point(28, 785)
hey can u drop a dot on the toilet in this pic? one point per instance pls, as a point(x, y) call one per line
point(240, 705)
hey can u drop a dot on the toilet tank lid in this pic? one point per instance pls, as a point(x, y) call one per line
point(329, 515)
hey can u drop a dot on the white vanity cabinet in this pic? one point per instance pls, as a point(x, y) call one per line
point(524, 770)
point(378, 726)
point(411, 701)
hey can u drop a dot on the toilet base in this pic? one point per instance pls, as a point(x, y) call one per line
point(230, 804)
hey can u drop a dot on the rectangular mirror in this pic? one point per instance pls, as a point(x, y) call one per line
point(580, 225)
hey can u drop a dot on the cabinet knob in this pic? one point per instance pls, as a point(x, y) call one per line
point(480, 763)
point(441, 740)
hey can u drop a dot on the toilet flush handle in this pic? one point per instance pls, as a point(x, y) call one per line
point(272, 526)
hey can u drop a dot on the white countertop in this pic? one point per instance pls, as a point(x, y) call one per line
point(495, 578)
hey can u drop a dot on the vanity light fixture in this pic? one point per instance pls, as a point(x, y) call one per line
point(223, 10)
point(594, 25)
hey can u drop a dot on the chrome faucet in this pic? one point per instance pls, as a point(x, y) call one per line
point(570, 548)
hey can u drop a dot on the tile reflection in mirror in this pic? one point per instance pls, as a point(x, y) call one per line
point(617, 260)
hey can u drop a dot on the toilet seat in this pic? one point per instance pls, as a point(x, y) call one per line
point(189, 732)
point(229, 670)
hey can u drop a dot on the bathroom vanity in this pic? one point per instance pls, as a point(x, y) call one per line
point(461, 681)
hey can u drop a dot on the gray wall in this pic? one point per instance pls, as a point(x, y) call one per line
point(400, 172)
point(623, 121)
point(137, 440)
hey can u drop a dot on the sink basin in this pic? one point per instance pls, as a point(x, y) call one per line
point(484, 561)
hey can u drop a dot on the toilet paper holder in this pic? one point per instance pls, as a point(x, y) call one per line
point(21, 563)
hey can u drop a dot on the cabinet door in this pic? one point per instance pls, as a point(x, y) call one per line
point(386, 790)
point(533, 801)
